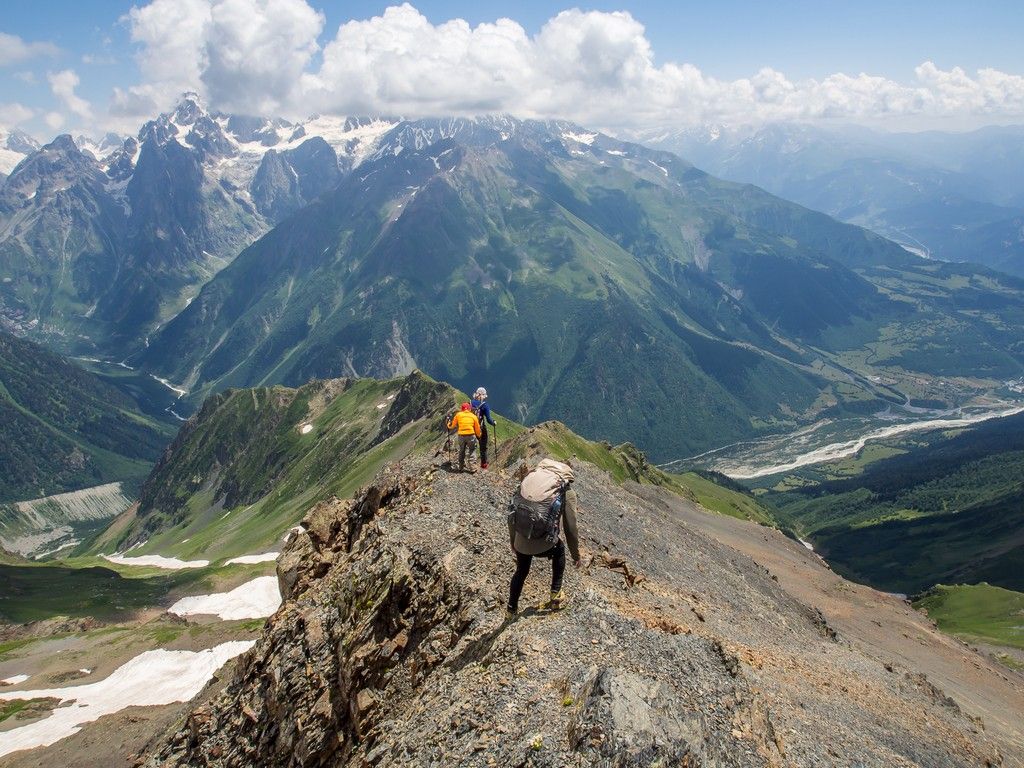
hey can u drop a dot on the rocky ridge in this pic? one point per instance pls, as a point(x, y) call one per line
point(390, 648)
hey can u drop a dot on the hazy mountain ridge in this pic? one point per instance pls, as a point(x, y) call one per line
point(955, 197)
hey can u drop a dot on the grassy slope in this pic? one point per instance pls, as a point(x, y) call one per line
point(90, 586)
point(978, 612)
point(243, 472)
point(63, 429)
point(248, 444)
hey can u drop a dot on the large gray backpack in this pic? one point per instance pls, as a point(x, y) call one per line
point(535, 511)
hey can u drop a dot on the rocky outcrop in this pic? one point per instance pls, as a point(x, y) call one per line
point(391, 649)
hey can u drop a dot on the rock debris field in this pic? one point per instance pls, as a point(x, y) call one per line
point(391, 648)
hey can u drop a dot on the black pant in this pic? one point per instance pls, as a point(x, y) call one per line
point(557, 556)
point(483, 443)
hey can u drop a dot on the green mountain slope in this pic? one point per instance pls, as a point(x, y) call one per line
point(977, 612)
point(253, 462)
point(616, 289)
point(948, 510)
point(62, 429)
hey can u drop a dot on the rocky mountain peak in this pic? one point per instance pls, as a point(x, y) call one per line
point(188, 110)
point(17, 140)
point(52, 169)
point(391, 649)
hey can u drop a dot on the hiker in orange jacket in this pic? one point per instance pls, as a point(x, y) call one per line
point(468, 426)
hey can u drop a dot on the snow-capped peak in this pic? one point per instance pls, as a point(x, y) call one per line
point(101, 149)
point(579, 138)
point(15, 146)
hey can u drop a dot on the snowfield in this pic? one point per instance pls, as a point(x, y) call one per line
point(255, 599)
point(152, 678)
point(14, 680)
point(157, 561)
point(266, 557)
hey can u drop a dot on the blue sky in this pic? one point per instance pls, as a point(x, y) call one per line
point(726, 41)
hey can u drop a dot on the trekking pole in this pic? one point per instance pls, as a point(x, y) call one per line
point(495, 441)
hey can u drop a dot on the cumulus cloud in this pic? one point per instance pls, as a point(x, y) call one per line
point(13, 49)
point(63, 85)
point(257, 50)
point(13, 113)
point(260, 56)
point(170, 36)
point(247, 56)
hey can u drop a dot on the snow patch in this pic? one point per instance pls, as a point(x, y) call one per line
point(176, 390)
point(580, 138)
point(659, 167)
point(156, 561)
point(255, 599)
point(266, 557)
point(306, 429)
point(15, 680)
point(150, 679)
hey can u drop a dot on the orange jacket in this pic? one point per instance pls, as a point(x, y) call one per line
point(467, 422)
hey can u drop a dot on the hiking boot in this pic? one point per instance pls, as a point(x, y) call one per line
point(555, 603)
point(484, 465)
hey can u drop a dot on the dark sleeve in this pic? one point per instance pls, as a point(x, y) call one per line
point(572, 536)
point(511, 529)
point(486, 411)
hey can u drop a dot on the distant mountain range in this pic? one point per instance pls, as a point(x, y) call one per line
point(101, 242)
point(579, 277)
point(590, 280)
point(951, 196)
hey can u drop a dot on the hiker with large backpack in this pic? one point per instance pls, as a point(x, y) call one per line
point(467, 425)
point(542, 508)
point(483, 413)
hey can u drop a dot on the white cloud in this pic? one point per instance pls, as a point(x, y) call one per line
point(99, 59)
point(13, 49)
point(13, 113)
point(54, 120)
point(170, 35)
point(63, 85)
point(256, 52)
point(260, 56)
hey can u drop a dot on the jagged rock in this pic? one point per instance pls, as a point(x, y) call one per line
point(624, 721)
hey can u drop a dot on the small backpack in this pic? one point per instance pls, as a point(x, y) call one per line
point(540, 517)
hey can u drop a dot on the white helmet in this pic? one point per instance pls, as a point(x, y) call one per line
point(480, 394)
